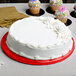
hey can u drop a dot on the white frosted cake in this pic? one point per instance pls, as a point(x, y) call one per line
point(39, 38)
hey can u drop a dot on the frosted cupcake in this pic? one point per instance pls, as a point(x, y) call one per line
point(55, 4)
point(34, 6)
point(62, 14)
point(75, 9)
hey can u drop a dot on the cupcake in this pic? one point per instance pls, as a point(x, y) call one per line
point(75, 9)
point(62, 14)
point(55, 4)
point(34, 6)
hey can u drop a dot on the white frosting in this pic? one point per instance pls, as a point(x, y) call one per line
point(39, 38)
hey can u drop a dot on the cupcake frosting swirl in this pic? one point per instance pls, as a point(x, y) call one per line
point(56, 2)
point(34, 3)
point(62, 12)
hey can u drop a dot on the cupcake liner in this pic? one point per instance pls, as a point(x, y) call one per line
point(63, 20)
point(34, 11)
point(75, 11)
point(63, 17)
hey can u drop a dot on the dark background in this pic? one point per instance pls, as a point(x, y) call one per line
point(25, 1)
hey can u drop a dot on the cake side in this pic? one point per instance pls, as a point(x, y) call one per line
point(38, 53)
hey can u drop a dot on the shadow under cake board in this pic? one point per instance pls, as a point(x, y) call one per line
point(48, 9)
point(72, 14)
point(29, 13)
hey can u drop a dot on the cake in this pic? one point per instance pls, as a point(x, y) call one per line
point(62, 14)
point(55, 4)
point(75, 9)
point(34, 6)
point(39, 38)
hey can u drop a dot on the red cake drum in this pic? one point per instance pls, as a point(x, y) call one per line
point(38, 41)
point(31, 61)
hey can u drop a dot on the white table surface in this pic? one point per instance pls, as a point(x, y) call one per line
point(13, 68)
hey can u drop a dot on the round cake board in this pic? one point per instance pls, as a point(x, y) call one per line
point(25, 60)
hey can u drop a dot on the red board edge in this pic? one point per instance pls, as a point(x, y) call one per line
point(25, 60)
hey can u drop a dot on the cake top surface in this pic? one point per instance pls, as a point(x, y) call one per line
point(40, 32)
